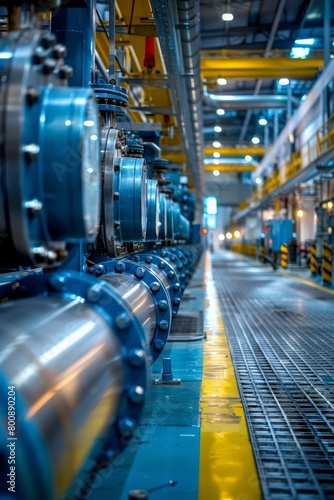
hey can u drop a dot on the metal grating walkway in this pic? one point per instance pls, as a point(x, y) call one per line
point(281, 335)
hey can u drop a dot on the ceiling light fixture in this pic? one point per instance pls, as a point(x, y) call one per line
point(284, 81)
point(216, 154)
point(300, 213)
point(299, 52)
point(262, 121)
point(227, 16)
point(248, 158)
point(255, 140)
point(220, 112)
point(216, 144)
point(217, 128)
point(216, 162)
point(237, 234)
point(229, 236)
point(258, 180)
point(221, 237)
point(305, 41)
point(216, 173)
point(221, 81)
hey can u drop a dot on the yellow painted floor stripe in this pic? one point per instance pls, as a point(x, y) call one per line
point(227, 465)
point(307, 282)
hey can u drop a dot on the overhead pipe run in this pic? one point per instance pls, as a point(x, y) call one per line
point(178, 26)
point(253, 101)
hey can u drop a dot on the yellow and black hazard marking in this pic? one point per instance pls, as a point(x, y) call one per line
point(327, 263)
point(284, 255)
point(314, 260)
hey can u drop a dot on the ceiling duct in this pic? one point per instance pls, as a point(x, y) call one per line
point(253, 101)
point(178, 28)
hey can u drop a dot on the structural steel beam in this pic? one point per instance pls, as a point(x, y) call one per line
point(235, 151)
point(260, 67)
point(232, 167)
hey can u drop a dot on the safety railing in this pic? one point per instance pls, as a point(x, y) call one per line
point(321, 142)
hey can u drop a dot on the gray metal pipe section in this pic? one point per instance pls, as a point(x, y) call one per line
point(139, 299)
point(254, 101)
point(178, 26)
point(63, 360)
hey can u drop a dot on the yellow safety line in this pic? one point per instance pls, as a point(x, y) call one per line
point(307, 282)
point(227, 466)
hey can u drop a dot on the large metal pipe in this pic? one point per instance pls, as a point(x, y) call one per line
point(65, 364)
point(72, 359)
point(139, 299)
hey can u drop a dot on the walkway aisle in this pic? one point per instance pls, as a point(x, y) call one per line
point(227, 466)
point(281, 335)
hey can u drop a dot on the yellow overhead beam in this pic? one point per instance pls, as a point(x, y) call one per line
point(230, 167)
point(174, 156)
point(260, 151)
point(260, 67)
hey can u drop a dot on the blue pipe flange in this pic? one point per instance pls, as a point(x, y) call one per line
point(184, 228)
point(176, 220)
point(162, 217)
point(130, 204)
point(192, 253)
point(153, 206)
point(147, 297)
point(175, 285)
point(175, 262)
point(135, 148)
point(113, 98)
point(106, 244)
point(185, 261)
point(49, 146)
point(71, 347)
point(170, 219)
point(160, 165)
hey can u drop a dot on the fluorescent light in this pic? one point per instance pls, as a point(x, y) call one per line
point(258, 180)
point(220, 112)
point(211, 205)
point(217, 128)
point(248, 158)
point(227, 16)
point(255, 140)
point(304, 97)
point(305, 41)
point(216, 154)
point(216, 173)
point(6, 55)
point(216, 144)
point(262, 121)
point(89, 123)
point(221, 81)
point(299, 52)
point(284, 81)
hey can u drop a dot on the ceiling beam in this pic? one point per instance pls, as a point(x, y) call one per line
point(233, 167)
point(235, 151)
point(260, 67)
